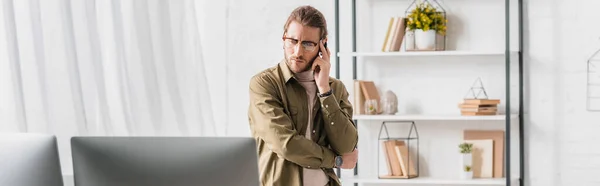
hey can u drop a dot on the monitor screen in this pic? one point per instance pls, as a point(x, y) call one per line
point(29, 159)
point(164, 161)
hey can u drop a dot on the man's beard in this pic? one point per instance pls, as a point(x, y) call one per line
point(289, 59)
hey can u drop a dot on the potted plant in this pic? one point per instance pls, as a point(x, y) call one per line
point(466, 150)
point(426, 22)
point(467, 172)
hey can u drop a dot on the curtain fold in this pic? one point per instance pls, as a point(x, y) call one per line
point(103, 68)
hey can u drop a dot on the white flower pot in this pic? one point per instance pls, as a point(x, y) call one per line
point(467, 175)
point(425, 40)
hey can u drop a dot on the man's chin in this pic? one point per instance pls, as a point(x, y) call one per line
point(297, 69)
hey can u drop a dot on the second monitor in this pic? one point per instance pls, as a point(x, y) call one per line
point(158, 161)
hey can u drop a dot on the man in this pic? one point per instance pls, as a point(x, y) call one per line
point(301, 118)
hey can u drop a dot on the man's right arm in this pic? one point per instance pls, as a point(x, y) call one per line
point(272, 125)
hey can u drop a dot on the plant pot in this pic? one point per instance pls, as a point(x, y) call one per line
point(425, 40)
point(467, 175)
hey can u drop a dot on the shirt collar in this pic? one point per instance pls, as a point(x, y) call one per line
point(287, 73)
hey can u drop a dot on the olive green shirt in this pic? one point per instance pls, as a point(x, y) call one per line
point(278, 116)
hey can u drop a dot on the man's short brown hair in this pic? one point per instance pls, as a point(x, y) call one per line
point(308, 16)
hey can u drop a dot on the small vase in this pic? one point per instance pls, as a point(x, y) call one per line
point(467, 159)
point(410, 40)
point(425, 40)
point(467, 175)
point(371, 107)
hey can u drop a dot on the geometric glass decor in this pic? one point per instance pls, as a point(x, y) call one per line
point(477, 91)
point(593, 82)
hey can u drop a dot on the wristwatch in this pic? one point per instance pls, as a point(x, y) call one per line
point(338, 161)
point(325, 94)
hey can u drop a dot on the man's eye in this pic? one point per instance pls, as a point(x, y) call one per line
point(308, 44)
point(292, 41)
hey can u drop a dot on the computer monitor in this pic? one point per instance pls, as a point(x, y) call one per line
point(28, 159)
point(164, 161)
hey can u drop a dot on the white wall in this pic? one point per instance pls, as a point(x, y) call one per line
point(562, 136)
point(241, 38)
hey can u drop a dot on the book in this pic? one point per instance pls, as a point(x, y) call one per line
point(359, 98)
point(483, 157)
point(498, 137)
point(406, 161)
point(398, 34)
point(394, 34)
point(481, 101)
point(390, 34)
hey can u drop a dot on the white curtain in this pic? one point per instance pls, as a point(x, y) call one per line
point(103, 68)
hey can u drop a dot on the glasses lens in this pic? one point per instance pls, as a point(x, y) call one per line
point(289, 43)
point(309, 46)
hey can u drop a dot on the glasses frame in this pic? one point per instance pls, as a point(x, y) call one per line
point(285, 41)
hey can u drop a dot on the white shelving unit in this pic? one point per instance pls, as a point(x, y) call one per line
point(498, 56)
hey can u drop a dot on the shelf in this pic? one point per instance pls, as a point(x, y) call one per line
point(426, 53)
point(433, 181)
point(433, 117)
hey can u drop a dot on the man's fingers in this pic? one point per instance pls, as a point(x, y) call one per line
point(315, 63)
point(324, 50)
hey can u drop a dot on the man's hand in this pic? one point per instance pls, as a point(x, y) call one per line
point(349, 160)
point(321, 66)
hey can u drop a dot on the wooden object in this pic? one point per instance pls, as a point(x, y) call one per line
point(479, 107)
point(406, 160)
point(498, 137)
point(483, 158)
point(359, 98)
point(393, 157)
point(400, 162)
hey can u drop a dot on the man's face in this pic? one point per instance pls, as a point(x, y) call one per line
point(301, 46)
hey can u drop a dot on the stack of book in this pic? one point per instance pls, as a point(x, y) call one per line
point(479, 107)
point(394, 35)
point(400, 162)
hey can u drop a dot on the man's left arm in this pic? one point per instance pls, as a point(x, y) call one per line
point(339, 126)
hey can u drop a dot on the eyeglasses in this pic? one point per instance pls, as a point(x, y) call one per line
point(308, 46)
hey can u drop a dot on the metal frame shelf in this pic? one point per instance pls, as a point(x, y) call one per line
point(507, 54)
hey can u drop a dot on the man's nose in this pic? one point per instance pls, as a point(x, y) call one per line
point(298, 50)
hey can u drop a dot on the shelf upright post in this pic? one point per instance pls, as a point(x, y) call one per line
point(337, 50)
point(354, 66)
point(507, 88)
point(337, 39)
point(521, 107)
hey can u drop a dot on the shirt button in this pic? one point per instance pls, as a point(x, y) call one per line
point(326, 106)
point(309, 166)
point(332, 123)
point(314, 131)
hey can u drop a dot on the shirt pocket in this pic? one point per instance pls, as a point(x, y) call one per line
point(294, 115)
